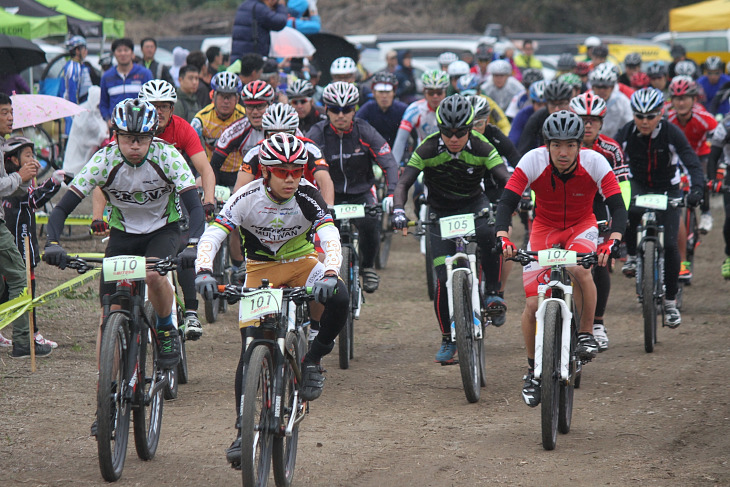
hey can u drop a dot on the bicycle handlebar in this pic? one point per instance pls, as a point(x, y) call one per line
point(233, 293)
point(161, 266)
point(524, 257)
point(370, 210)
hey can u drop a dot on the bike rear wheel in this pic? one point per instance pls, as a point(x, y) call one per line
point(112, 411)
point(567, 391)
point(147, 410)
point(345, 338)
point(550, 386)
point(173, 375)
point(649, 305)
point(466, 343)
point(285, 447)
point(256, 437)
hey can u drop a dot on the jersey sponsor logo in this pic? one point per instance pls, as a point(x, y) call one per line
point(140, 197)
point(384, 150)
point(278, 233)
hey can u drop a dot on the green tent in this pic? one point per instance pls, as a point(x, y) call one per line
point(112, 27)
point(32, 27)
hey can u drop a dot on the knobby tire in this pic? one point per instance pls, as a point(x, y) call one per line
point(550, 386)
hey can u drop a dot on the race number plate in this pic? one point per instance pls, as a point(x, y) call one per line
point(652, 201)
point(130, 267)
point(551, 257)
point(222, 193)
point(343, 212)
point(457, 226)
point(257, 304)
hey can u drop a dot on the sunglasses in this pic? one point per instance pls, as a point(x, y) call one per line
point(300, 101)
point(255, 107)
point(132, 138)
point(345, 110)
point(434, 92)
point(458, 133)
point(283, 173)
point(269, 133)
point(646, 116)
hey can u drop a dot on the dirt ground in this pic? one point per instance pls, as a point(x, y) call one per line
point(395, 417)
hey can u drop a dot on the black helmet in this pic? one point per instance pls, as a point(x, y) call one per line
point(563, 125)
point(384, 77)
point(529, 76)
point(455, 112)
point(566, 62)
point(600, 51)
point(558, 90)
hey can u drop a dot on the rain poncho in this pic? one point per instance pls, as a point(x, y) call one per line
point(88, 132)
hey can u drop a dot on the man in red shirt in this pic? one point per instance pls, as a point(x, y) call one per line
point(695, 122)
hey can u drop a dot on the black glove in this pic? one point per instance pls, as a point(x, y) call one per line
point(205, 284)
point(399, 219)
point(187, 257)
point(209, 209)
point(99, 226)
point(55, 255)
point(695, 197)
point(324, 288)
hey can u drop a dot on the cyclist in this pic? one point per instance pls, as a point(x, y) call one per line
point(566, 64)
point(591, 109)
point(384, 113)
point(351, 147)
point(454, 163)
point(345, 69)
point(565, 179)
point(456, 70)
point(536, 93)
point(632, 65)
point(657, 72)
point(557, 95)
point(502, 86)
point(720, 181)
point(283, 252)
point(653, 148)
point(210, 122)
point(603, 80)
point(142, 178)
point(712, 81)
point(446, 58)
point(243, 134)
point(484, 55)
point(300, 94)
point(522, 99)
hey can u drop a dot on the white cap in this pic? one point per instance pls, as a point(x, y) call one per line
point(592, 41)
point(458, 68)
point(500, 67)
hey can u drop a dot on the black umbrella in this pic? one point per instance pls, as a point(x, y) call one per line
point(17, 54)
point(329, 47)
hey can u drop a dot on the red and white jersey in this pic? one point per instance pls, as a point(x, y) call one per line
point(611, 150)
point(700, 123)
point(564, 201)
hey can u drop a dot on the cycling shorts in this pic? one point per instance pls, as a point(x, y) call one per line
point(302, 271)
point(163, 242)
point(581, 238)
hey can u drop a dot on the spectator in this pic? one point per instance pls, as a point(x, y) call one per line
point(187, 96)
point(270, 74)
point(406, 77)
point(303, 17)
point(149, 49)
point(105, 62)
point(88, 133)
point(391, 61)
point(526, 58)
point(502, 86)
point(179, 59)
point(254, 21)
point(484, 55)
point(214, 55)
point(198, 59)
point(13, 83)
point(384, 113)
point(123, 80)
point(248, 68)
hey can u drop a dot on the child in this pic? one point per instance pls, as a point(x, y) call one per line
point(20, 211)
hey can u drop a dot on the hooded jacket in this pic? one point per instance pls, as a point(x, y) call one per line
point(252, 26)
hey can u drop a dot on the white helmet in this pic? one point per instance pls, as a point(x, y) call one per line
point(340, 94)
point(158, 90)
point(592, 41)
point(446, 58)
point(458, 69)
point(500, 67)
point(280, 117)
point(343, 65)
point(603, 75)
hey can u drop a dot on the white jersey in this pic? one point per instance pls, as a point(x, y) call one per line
point(143, 197)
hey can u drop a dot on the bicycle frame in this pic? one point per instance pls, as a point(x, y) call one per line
point(465, 254)
point(350, 237)
point(557, 276)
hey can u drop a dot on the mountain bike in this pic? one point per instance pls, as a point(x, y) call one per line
point(178, 375)
point(350, 271)
point(650, 262)
point(386, 231)
point(221, 263)
point(556, 362)
point(129, 376)
point(271, 404)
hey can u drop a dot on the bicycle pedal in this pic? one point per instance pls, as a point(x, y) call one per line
point(449, 362)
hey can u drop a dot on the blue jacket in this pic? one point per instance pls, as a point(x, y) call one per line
point(114, 88)
point(252, 26)
point(711, 90)
point(297, 8)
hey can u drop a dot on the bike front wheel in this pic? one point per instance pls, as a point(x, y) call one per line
point(256, 435)
point(550, 383)
point(147, 415)
point(112, 411)
point(649, 305)
point(567, 389)
point(345, 338)
point(285, 447)
point(466, 343)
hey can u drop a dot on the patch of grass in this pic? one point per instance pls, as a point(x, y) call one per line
point(77, 347)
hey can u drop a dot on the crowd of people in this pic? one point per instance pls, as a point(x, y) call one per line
point(487, 130)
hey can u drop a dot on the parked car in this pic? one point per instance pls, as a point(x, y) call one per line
point(700, 45)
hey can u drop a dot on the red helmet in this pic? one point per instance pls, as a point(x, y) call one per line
point(582, 68)
point(257, 91)
point(639, 80)
point(683, 85)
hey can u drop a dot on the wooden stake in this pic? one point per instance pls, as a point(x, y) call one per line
point(28, 266)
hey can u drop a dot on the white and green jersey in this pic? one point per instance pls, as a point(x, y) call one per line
point(143, 197)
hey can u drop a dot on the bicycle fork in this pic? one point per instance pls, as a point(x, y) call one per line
point(471, 271)
point(565, 336)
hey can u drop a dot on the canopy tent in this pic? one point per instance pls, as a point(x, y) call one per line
point(31, 8)
point(32, 27)
point(111, 27)
point(710, 15)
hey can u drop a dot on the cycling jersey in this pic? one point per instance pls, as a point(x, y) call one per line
point(421, 118)
point(451, 179)
point(315, 161)
point(502, 95)
point(209, 128)
point(76, 81)
point(611, 150)
point(710, 92)
point(351, 156)
point(183, 136)
point(143, 197)
point(699, 124)
point(561, 201)
point(271, 230)
point(654, 160)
